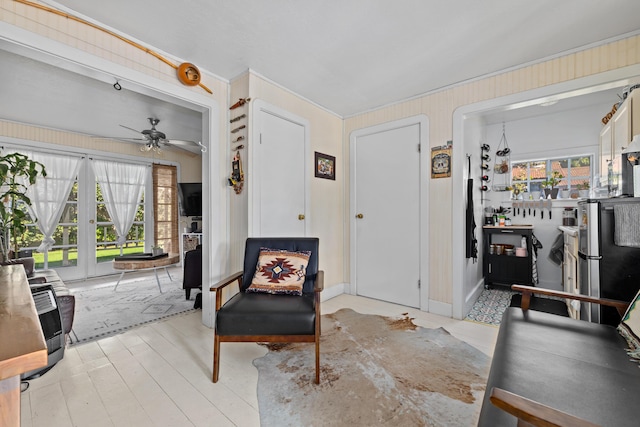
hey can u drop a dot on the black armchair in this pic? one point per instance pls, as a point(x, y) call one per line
point(192, 274)
point(264, 317)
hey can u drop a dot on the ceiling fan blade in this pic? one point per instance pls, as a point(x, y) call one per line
point(180, 142)
point(192, 145)
point(189, 149)
point(119, 138)
point(127, 127)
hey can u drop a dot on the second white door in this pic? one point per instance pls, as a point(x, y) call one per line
point(280, 183)
point(387, 215)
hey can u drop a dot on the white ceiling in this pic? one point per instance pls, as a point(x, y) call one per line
point(351, 56)
point(348, 56)
point(50, 97)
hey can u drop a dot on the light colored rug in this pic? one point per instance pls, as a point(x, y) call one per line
point(375, 370)
point(101, 311)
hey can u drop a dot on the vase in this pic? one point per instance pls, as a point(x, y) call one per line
point(553, 192)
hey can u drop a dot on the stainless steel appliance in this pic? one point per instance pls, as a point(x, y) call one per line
point(606, 270)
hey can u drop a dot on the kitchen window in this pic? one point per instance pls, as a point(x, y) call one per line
point(576, 173)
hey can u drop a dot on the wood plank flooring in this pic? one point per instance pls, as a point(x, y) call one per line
point(159, 374)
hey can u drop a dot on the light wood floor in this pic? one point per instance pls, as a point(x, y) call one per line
point(159, 374)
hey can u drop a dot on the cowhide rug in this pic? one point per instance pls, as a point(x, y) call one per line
point(375, 371)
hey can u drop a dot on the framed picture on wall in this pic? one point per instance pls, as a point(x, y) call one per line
point(441, 161)
point(325, 166)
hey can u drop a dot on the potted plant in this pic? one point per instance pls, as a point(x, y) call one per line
point(550, 183)
point(17, 172)
point(583, 189)
point(156, 249)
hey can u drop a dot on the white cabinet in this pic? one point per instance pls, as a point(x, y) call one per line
point(615, 136)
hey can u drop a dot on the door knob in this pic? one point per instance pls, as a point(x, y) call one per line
point(359, 216)
point(301, 217)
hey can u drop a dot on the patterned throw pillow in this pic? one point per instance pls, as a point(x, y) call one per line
point(280, 272)
point(629, 327)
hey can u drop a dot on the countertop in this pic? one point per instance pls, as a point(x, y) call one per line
point(510, 227)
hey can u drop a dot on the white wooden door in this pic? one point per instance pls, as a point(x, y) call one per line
point(387, 215)
point(280, 181)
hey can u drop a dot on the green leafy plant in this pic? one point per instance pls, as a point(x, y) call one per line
point(552, 180)
point(583, 186)
point(17, 173)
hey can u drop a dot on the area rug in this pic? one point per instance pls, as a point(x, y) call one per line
point(101, 311)
point(490, 306)
point(375, 371)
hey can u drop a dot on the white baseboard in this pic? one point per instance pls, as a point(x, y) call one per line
point(472, 297)
point(440, 308)
point(332, 291)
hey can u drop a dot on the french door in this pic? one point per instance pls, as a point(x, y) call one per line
point(85, 237)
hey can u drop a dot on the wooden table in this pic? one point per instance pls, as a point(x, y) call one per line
point(22, 344)
point(145, 264)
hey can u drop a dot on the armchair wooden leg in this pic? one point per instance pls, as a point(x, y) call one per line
point(317, 359)
point(216, 357)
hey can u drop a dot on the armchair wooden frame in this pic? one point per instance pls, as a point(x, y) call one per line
point(217, 339)
point(532, 413)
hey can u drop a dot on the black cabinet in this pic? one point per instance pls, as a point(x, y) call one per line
point(506, 270)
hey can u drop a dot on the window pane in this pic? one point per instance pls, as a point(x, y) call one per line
point(106, 233)
point(73, 196)
point(101, 213)
point(575, 173)
point(535, 186)
point(140, 214)
point(136, 232)
point(538, 170)
point(519, 172)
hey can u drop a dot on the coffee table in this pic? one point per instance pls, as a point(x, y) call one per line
point(137, 263)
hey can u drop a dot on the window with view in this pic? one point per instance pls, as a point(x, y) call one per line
point(574, 173)
point(64, 252)
point(106, 236)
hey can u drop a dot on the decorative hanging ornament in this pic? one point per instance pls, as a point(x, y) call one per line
point(188, 74)
point(236, 180)
point(502, 165)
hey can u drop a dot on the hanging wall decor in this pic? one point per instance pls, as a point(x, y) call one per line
point(441, 161)
point(188, 74)
point(238, 133)
point(325, 166)
point(237, 174)
point(501, 177)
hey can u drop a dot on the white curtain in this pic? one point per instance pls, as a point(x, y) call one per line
point(122, 185)
point(49, 196)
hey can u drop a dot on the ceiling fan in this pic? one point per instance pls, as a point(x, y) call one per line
point(154, 140)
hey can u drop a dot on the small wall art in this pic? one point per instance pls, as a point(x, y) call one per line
point(325, 166)
point(441, 161)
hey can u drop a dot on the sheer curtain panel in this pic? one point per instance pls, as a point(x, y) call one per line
point(49, 196)
point(122, 185)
